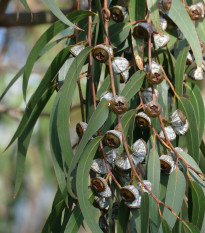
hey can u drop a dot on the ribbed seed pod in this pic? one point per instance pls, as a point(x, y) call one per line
point(99, 166)
point(120, 64)
point(75, 50)
point(106, 95)
point(119, 105)
point(122, 162)
point(111, 156)
point(100, 202)
point(170, 133)
point(167, 163)
point(177, 118)
point(137, 160)
point(81, 128)
point(129, 193)
point(135, 204)
point(102, 52)
point(101, 188)
point(155, 75)
point(124, 76)
point(118, 13)
point(140, 148)
point(153, 109)
point(175, 157)
point(147, 95)
point(189, 59)
point(182, 130)
point(140, 187)
point(113, 138)
point(142, 120)
point(197, 74)
point(195, 12)
point(160, 41)
point(201, 5)
point(142, 30)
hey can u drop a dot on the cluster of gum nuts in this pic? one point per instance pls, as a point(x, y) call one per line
point(178, 124)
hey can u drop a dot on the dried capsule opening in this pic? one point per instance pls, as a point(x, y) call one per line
point(127, 195)
point(156, 77)
point(117, 15)
point(165, 166)
point(100, 54)
point(142, 122)
point(195, 13)
point(141, 32)
point(97, 184)
point(154, 108)
point(79, 130)
point(112, 140)
point(119, 106)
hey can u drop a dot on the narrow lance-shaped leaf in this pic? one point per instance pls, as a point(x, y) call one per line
point(175, 195)
point(190, 228)
point(145, 212)
point(181, 18)
point(82, 184)
point(59, 14)
point(165, 226)
point(123, 218)
point(50, 33)
point(179, 70)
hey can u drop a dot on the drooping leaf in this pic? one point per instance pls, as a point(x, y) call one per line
point(200, 28)
point(174, 197)
point(24, 138)
point(82, 184)
point(123, 217)
point(51, 32)
point(192, 135)
point(145, 212)
point(190, 228)
point(59, 14)
point(196, 99)
point(198, 203)
point(165, 226)
point(179, 15)
point(179, 70)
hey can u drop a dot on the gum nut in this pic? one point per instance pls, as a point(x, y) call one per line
point(142, 30)
point(102, 52)
point(104, 222)
point(181, 130)
point(163, 23)
point(197, 74)
point(160, 41)
point(146, 68)
point(98, 184)
point(135, 204)
point(119, 105)
point(189, 59)
point(142, 120)
point(123, 176)
point(170, 133)
point(140, 148)
point(137, 160)
point(77, 49)
point(129, 193)
point(179, 34)
point(195, 12)
point(155, 75)
point(81, 128)
point(124, 76)
point(99, 166)
point(177, 118)
point(113, 138)
point(147, 95)
point(166, 4)
point(166, 162)
point(120, 64)
point(100, 202)
point(107, 95)
point(106, 193)
point(118, 13)
point(122, 162)
point(140, 186)
point(111, 156)
point(153, 109)
point(201, 5)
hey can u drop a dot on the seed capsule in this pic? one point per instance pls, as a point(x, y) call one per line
point(166, 4)
point(170, 133)
point(155, 75)
point(119, 105)
point(177, 118)
point(129, 193)
point(163, 23)
point(100, 202)
point(140, 187)
point(175, 157)
point(135, 204)
point(179, 34)
point(81, 128)
point(197, 74)
point(140, 148)
point(153, 109)
point(147, 95)
point(189, 59)
point(120, 64)
point(99, 166)
point(113, 138)
point(118, 13)
point(104, 222)
point(167, 163)
point(122, 162)
point(124, 76)
point(201, 5)
point(102, 52)
point(182, 130)
point(100, 186)
point(142, 120)
point(142, 30)
point(106, 95)
point(195, 12)
point(160, 41)
point(77, 49)
point(111, 156)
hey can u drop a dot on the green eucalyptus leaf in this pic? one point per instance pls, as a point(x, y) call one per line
point(190, 228)
point(200, 28)
point(145, 212)
point(123, 218)
point(82, 184)
point(165, 226)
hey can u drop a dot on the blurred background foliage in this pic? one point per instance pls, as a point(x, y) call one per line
point(29, 211)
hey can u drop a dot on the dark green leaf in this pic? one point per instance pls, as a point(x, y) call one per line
point(179, 70)
point(145, 212)
point(165, 226)
point(190, 228)
point(82, 184)
point(175, 195)
point(104, 87)
point(123, 218)
point(202, 148)
point(192, 135)
point(181, 18)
